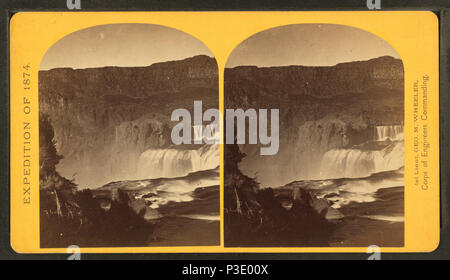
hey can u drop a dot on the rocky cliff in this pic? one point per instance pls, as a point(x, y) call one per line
point(105, 118)
point(321, 108)
point(321, 82)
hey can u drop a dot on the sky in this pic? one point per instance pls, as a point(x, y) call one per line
point(309, 45)
point(123, 45)
point(129, 45)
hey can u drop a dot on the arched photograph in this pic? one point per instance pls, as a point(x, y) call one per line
point(110, 174)
point(337, 177)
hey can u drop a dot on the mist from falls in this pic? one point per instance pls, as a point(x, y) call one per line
point(171, 163)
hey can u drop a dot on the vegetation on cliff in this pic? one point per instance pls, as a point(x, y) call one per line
point(74, 217)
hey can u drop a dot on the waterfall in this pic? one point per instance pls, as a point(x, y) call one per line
point(356, 163)
point(391, 132)
point(359, 161)
point(170, 163)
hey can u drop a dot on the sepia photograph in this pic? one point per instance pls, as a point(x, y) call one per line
point(247, 133)
point(110, 174)
point(337, 178)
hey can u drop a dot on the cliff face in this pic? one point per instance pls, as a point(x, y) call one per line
point(321, 108)
point(352, 77)
point(105, 118)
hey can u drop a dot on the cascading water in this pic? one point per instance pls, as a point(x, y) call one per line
point(171, 163)
point(358, 162)
point(354, 163)
point(370, 173)
point(391, 132)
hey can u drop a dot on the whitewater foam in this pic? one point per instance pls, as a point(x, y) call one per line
point(361, 190)
point(202, 217)
point(392, 219)
point(357, 163)
point(164, 190)
point(171, 163)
